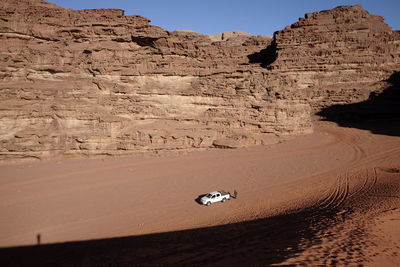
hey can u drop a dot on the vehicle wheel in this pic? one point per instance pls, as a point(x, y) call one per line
point(223, 200)
point(208, 203)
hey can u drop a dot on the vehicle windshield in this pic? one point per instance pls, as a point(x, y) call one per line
point(209, 195)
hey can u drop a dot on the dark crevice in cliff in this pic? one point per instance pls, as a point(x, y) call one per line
point(144, 41)
point(264, 57)
point(380, 113)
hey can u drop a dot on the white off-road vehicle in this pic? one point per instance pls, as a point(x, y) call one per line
point(216, 196)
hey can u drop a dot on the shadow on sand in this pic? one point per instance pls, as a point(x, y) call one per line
point(255, 243)
point(380, 113)
point(197, 200)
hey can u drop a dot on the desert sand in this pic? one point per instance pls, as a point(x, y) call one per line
point(84, 90)
point(331, 197)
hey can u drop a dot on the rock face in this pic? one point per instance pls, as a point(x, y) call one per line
point(96, 82)
point(236, 36)
point(337, 56)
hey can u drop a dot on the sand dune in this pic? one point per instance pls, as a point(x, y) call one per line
point(321, 199)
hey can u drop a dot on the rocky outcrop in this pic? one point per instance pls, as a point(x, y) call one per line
point(97, 82)
point(336, 56)
point(235, 37)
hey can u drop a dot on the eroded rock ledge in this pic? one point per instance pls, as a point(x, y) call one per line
point(336, 56)
point(95, 82)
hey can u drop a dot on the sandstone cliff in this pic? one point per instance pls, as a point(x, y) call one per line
point(95, 82)
point(336, 56)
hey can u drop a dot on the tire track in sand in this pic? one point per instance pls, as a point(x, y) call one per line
point(338, 195)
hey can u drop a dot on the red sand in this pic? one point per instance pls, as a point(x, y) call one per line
point(81, 199)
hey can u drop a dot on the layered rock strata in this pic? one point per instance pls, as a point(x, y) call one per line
point(95, 82)
point(336, 56)
point(98, 82)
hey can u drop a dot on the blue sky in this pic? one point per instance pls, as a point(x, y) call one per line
point(258, 17)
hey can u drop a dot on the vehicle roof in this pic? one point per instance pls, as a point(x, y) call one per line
point(215, 192)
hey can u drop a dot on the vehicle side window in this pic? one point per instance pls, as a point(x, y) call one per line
point(213, 196)
point(218, 195)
